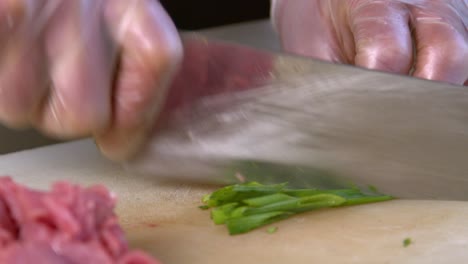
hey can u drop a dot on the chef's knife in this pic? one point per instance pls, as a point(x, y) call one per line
point(235, 113)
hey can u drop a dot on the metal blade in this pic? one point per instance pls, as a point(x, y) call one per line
point(310, 123)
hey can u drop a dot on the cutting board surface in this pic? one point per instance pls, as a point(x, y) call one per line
point(164, 220)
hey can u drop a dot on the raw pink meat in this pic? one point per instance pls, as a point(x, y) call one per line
point(69, 224)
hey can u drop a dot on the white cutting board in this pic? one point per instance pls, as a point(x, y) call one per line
point(165, 221)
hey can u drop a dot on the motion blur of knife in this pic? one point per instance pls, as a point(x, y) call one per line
point(235, 113)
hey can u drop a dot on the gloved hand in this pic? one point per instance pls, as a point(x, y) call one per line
point(380, 34)
point(80, 68)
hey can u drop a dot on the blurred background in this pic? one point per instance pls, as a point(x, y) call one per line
point(198, 14)
point(187, 15)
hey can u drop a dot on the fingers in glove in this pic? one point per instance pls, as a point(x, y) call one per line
point(80, 68)
point(23, 82)
point(382, 36)
point(306, 28)
point(150, 53)
point(442, 43)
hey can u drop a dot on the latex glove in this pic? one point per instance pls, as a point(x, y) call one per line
point(80, 68)
point(380, 34)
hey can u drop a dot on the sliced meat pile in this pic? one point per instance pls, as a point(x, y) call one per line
point(69, 224)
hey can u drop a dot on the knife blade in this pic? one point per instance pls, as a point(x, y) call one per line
point(235, 113)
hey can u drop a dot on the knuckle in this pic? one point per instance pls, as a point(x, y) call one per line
point(391, 57)
point(133, 104)
point(148, 35)
point(458, 52)
point(452, 45)
point(62, 126)
point(162, 56)
point(67, 117)
point(143, 82)
point(76, 122)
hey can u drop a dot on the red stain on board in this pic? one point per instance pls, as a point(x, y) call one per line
point(151, 225)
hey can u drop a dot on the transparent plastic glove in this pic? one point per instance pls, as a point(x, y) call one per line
point(86, 68)
point(380, 34)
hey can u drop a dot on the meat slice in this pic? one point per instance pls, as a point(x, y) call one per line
point(67, 225)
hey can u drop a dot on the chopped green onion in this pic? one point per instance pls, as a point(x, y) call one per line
point(222, 213)
point(373, 189)
point(246, 206)
point(247, 223)
point(239, 212)
point(272, 229)
point(407, 242)
point(346, 193)
point(267, 199)
point(300, 204)
point(238, 192)
point(367, 199)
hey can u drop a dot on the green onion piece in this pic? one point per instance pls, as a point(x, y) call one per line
point(272, 229)
point(367, 199)
point(299, 204)
point(373, 189)
point(246, 206)
point(267, 199)
point(238, 192)
point(309, 192)
point(353, 196)
point(407, 242)
point(204, 207)
point(247, 223)
point(301, 192)
point(238, 212)
point(318, 202)
point(206, 198)
point(222, 213)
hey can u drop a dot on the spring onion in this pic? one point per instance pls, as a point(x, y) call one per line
point(247, 206)
point(272, 230)
point(407, 242)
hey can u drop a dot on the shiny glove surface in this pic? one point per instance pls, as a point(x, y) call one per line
point(425, 38)
point(86, 68)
